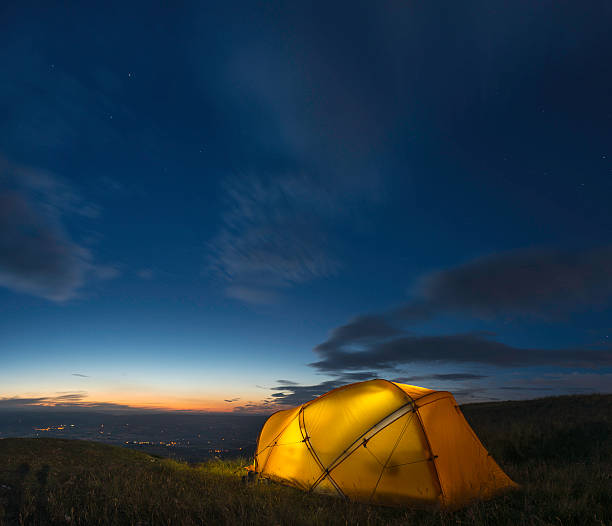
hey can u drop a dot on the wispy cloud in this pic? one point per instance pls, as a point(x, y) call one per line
point(272, 237)
point(252, 294)
point(56, 400)
point(65, 401)
point(145, 273)
point(544, 283)
point(81, 375)
point(256, 408)
point(298, 394)
point(288, 393)
point(320, 138)
point(37, 254)
point(358, 331)
point(468, 348)
point(448, 377)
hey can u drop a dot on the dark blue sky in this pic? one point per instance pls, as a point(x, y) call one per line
point(265, 200)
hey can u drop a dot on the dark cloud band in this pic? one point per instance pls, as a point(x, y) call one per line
point(456, 348)
point(545, 283)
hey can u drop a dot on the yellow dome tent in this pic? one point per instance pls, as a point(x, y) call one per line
point(381, 442)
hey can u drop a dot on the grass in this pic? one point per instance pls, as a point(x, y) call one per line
point(558, 449)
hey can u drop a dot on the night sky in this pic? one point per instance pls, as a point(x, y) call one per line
point(237, 206)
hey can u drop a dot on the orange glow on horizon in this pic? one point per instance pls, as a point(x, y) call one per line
point(164, 401)
point(168, 404)
point(144, 401)
point(117, 394)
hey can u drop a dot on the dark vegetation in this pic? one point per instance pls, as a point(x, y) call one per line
point(558, 449)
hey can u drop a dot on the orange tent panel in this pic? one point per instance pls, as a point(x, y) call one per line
point(380, 442)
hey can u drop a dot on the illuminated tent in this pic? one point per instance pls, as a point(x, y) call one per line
point(380, 442)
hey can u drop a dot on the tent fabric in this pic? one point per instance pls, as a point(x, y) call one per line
point(380, 442)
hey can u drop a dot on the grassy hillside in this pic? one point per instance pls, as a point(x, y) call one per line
point(559, 449)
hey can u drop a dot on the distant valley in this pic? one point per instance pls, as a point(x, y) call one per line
point(189, 437)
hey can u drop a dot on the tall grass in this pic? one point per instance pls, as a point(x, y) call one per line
point(558, 449)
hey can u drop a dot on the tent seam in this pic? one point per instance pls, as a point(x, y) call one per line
point(325, 471)
point(433, 456)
